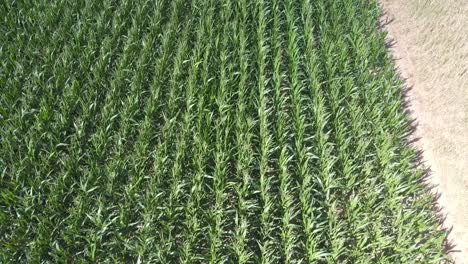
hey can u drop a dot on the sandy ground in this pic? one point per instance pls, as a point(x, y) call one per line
point(430, 46)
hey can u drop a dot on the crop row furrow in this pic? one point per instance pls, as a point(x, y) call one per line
point(192, 226)
point(222, 92)
point(244, 157)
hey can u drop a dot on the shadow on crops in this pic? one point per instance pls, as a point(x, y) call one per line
point(420, 162)
point(412, 140)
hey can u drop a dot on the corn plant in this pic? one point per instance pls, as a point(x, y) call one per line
point(204, 131)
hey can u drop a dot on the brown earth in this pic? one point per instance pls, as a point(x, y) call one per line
point(429, 42)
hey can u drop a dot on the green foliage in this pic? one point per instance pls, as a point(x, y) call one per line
point(204, 131)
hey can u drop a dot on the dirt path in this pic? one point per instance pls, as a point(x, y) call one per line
point(431, 51)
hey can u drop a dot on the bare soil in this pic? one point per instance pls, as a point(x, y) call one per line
point(429, 42)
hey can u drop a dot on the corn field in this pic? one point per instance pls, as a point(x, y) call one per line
point(206, 131)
